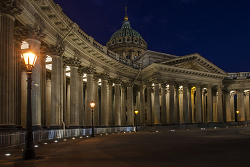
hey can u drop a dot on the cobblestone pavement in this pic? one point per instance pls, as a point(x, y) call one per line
point(206, 147)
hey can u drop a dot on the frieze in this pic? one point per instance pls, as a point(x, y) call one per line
point(92, 61)
point(39, 20)
point(77, 52)
point(11, 7)
point(105, 68)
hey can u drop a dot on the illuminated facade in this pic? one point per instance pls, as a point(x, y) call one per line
point(73, 69)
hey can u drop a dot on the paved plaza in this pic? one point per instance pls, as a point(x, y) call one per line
point(209, 147)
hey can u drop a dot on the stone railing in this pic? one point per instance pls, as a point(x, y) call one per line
point(239, 75)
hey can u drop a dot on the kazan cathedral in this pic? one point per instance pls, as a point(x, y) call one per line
point(72, 70)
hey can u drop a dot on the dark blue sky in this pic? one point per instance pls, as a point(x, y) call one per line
point(216, 29)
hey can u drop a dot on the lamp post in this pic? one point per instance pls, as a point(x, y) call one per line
point(29, 60)
point(237, 116)
point(136, 112)
point(92, 105)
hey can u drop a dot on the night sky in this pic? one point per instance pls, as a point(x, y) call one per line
point(216, 29)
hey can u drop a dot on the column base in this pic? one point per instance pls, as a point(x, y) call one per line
point(7, 127)
point(37, 127)
point(74, 127)
point(55, 127)
point(104, 126)
point(29, 154)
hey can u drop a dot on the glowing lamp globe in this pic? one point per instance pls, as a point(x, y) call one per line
point(29, 58)
point(92, 104)
point(136, 112)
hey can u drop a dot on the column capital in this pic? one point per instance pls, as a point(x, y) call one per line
point(110, 82)
point(96, 78)
point(52, 50)
point(240, 90)
point(89, 70)
point(75, 62)
point(104, 76)
point(80, 70)
point(163, 85)
point(11, 7)
point(117, 80)
point(130, 84)
point(124, 85)
point(171, 82)
point(19, 33)
point(148, 83)
point(156, 81)
point(246, 93)
point(35, 32)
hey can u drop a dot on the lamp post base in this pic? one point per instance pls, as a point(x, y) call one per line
point(29, 154)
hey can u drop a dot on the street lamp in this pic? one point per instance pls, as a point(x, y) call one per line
point(92, 105)
point(29, 60)
point(136, 112)
point(237, 117)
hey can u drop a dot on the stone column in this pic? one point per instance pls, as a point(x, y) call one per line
point(219, 104)
point(68, 103)
point(227, 106)
point(110, 104)
point(149, 103)
point(64, 94)
point(104, 100)
point(142, 105)
point(176, 105)
point(209, 104)
point(8, 63)
point(23, 98)
point(74, 92)
point(17, 78)
point(80, 95)
point(130, 111)
point(185, 104)
point(204, 111)
point(181, 119)
point(193, 89)
point(88, 117)
point(157, 117)
point(48, 99)
point(96, 100)
point(246, 106)
point(215, 108)
point(163, 104)
point(117, 112)
point(171, 103)
point(123, 104)
point(167, 105)
point(198, 104)
point(240, 105)
point(43, 90)
point(232, 108)
point(56, 81)
point(189, 104)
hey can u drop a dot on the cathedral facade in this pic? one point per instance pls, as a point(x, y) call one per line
point(73, 69)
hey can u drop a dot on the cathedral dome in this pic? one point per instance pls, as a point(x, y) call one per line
point(127, 41)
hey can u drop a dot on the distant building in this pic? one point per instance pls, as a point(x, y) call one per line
point(73, 69)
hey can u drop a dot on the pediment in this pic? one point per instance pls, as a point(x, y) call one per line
point(194, 62)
